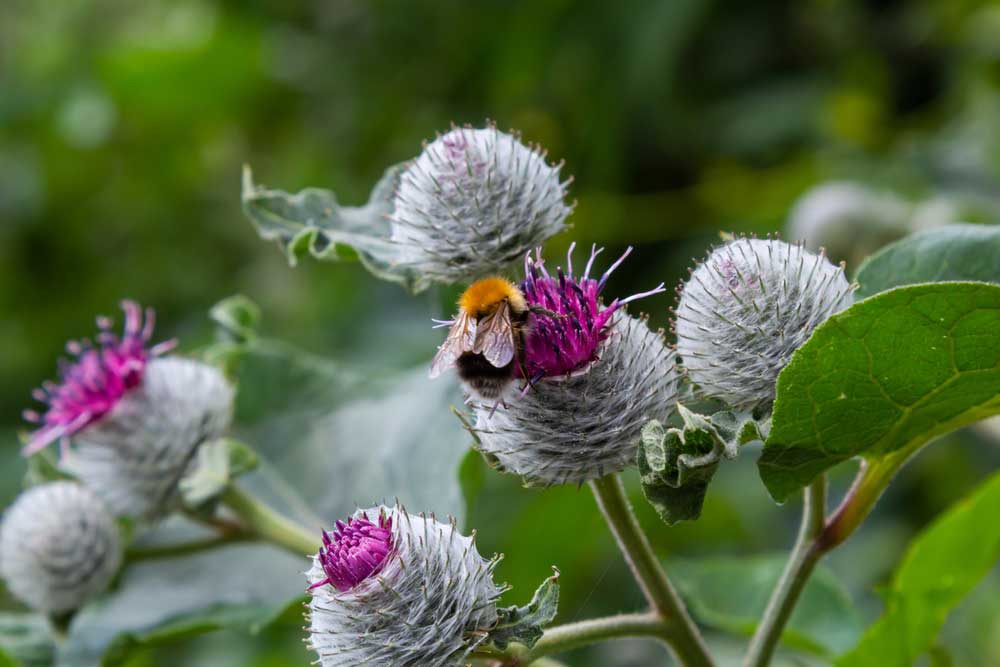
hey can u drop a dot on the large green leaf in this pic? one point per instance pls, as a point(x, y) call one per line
point(165, 599)
point(731, 593)
point(941, 566)
point(327, 436)
point(312, 222)
point(893, 371)
point(955, 252)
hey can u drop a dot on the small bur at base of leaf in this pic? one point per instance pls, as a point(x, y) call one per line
point(526, 625)
point(677, 464)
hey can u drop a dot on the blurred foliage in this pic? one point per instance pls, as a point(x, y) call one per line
point(123, 127)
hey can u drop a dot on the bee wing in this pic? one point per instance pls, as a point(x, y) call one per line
point(461, 338)
point(495, 337)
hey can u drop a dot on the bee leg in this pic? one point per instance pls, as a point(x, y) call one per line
point(538, 310)
point(531, 383)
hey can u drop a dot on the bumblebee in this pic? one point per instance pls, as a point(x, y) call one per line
point(486, 339)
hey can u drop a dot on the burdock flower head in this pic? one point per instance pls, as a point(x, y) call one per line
point(135, 418)
point(594, 376)
point(746, 309)
point(474, 202)
point(59, 546)
point(397, 590)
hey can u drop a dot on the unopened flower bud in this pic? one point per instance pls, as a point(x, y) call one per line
point(473, 203)
point(59, 547)
point(594, 377)
point(397, 590)
point(746, 309)
point(849, 220)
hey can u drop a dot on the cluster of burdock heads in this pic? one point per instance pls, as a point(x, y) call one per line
point(560, 377)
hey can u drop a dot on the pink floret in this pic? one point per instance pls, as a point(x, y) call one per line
point(91, 385)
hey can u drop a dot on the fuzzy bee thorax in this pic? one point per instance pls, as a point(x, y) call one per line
point(482, 297)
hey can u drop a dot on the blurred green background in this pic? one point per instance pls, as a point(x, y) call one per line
point(123, 127)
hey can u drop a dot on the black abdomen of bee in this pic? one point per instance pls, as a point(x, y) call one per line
point(482, 377)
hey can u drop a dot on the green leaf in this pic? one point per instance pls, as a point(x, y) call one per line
point(894, 371)
point(328, 437)
point(237, 318)
point(25, 640)
point(43, 468)
point(941, 566)
point(730, 594)
point(525, 625)
point(217, 464)
point(676, 465)
point(952, 253)
point(242, 587)
point(312, 222)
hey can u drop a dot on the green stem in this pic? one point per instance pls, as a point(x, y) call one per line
point(265, 523)
point(571, 636)
point(576, 635)
point(139, 553)
point(679, 631)
point(818, 537)
point(800, 565)
point(872, 479)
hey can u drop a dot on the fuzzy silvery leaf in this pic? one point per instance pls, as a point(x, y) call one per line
point(431, 603)
point(135, 456)
point(471, 204)
point(676, 465)
point(526, 625)
point(217, 463)
point(312, 222)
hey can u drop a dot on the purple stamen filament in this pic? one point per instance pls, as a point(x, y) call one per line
point(92, 384)
point(561, 345)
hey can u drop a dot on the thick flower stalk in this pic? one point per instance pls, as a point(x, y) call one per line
point(746, 309)
point(59, 547)
point(397, 590)
point(594, 376)
point(135, 418)
point(473, 203)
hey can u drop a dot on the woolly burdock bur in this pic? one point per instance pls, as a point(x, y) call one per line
point(135, 418)
point(473, 202)
point(595, 376)
point(59, 547)
point(746, 309)
point(398, 590)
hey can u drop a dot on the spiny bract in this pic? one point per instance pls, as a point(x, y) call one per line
point(586, 425)
point(59, 547)
point(429, 603)
point(473, 202)
point(746, 309)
